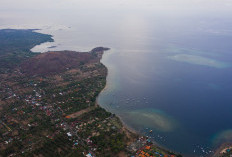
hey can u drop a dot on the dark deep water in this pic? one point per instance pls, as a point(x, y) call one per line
point(170, 66)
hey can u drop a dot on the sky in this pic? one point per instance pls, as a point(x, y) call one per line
point(167, 6)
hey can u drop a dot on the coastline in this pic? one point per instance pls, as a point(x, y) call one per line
point(130, 132)
point(106, 127)
point(99, 104)
point(125, 127)
point(221, 148)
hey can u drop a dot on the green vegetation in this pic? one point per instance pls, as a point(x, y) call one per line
point(15, 46)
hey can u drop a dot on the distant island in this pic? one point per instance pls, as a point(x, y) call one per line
point(48, 103)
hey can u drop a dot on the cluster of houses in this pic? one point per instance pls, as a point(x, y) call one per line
point(35, 105)
point(21, 118)
point(143, 147)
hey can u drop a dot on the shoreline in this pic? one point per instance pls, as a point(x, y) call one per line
point(124, 125)
point(131, 133)
point(128, 130)
point(103, 124)
point(221, 148)
point(99, 104)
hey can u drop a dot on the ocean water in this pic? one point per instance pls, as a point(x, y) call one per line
point(188, 106)
point(170, 63)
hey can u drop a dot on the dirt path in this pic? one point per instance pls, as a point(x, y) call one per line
point(79, 113)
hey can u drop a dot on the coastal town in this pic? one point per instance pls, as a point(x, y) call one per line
point(48, 104)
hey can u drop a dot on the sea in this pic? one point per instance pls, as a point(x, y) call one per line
point(169, 67)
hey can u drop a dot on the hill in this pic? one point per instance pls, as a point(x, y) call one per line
point(56, 62)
